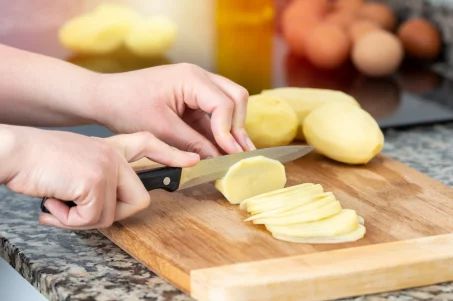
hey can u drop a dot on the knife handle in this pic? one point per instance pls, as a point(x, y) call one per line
point(167, 178)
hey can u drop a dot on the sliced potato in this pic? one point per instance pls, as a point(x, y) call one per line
point(306, 204)
point(250, 177)
point(297, 197)
point(304, 100)
point(302, 217)
point(354, 235)
point(272, 193)
point(270, 121)
point(338, 224)
point(152, 36)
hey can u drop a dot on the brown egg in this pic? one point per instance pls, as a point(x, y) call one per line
point(327, 46)
point(380, 13)
point(360, 28)
point(298, 19)
point(420, 38)
point(378, 53)
point(342, 18)
point(348, 5)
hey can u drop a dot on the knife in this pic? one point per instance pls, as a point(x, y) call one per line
point(176, 178)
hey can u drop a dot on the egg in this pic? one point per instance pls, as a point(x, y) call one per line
point(347, 5)
point(421, 39)
point(359, 28)
point(379, 13)
point(342, 18)
point(299, 19)
point(378, 53)
point(327, 46)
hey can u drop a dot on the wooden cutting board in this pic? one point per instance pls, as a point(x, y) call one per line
point(200, 243)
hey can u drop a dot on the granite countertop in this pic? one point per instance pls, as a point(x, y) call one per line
point(67, 265)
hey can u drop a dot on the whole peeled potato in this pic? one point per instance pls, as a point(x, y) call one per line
point(305, 100)
point(344, 132)
point(378, 53)
point(270, 121)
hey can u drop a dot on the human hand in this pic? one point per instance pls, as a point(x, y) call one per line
point(172, 102)
point(92, 172)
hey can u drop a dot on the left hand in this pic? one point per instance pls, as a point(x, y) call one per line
point(172, 102)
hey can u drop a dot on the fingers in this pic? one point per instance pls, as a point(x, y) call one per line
point(239, 96)
point(143, 144)
point(185, 137)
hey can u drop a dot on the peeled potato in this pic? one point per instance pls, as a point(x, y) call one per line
point(338, 224)
point(304, 100)
point(354, 235)
point(99, 32)
point(270, 121)
point(250, 177)
point(151, 36)
point(344, 132)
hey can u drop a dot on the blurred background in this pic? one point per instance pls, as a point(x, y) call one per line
point(393, 56)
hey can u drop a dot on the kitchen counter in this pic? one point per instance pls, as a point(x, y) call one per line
point(67, 265)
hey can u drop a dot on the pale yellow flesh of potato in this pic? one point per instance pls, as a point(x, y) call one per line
point(270, 121)
point(298, 206)
point(152, 36)
point(354, 235)
point(290, 198)
point(344, 222)
point(98, 32)
point(344, 133)
point(302, 217)
point(267, 195)
point(250, 177)
point(304, 100)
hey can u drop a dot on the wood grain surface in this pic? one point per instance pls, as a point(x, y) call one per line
point(197, 228)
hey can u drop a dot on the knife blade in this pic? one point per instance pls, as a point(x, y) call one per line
point(212, 169)
point(175, 178)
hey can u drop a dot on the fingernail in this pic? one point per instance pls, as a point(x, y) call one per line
point(238, 147)
point(194, 155)
point(250, 144)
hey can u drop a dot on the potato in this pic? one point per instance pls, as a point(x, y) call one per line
point(344, 132)
point(304, 100)
point(270, 121)
point(305, 213)
point(152, 36)
point(99, 32)
point(338, 224)
point(354, 235)
point(250, 177)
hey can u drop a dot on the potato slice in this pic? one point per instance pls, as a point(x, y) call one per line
point(302, 217)
point(344, 132)
point(250, 177)
point(335, 225)
point(267, 195)
point(354, 235)
point(304, 204)
point(270, 121)
point(277, 201)
point(304, 100)
point(152, 36)
point(99, 32)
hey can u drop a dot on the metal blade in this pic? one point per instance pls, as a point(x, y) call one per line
point(212, 169)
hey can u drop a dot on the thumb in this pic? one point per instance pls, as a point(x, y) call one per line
point(144, 144)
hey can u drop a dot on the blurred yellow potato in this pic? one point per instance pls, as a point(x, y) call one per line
point(151, 36)
point(344, 132)
point(304, 100)
point(99, 32)
point(270, 121)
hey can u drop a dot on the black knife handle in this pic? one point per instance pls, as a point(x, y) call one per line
point(167, 178)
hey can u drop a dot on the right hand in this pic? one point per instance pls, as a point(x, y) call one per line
point(92, 172)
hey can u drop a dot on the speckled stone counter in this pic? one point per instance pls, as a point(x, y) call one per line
point(66, 265)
